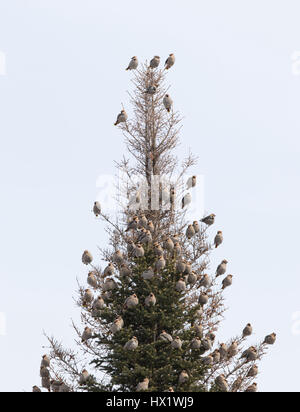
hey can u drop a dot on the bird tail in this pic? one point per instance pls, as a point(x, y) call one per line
point(115, 124)
point(168, 110)
point(127, 68)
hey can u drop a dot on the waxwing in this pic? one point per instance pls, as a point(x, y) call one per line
point(133, 224)
point(150, 300)
point(87, 334)
point(183, 377)
point(132, 344)
point(131, 301)
point(148, 274)
point(133, 64)
point(209, 220)
point(176, 343)
point(218, 238)
point(165, 336)
point(139, 251)
point(84, 376)
point(97, 208)
point(253, 371)
point(247, 330)
point(170, 61)
point(92, 279)
point(45, 361)
point(87, 258)
point(168, 102)
point(205, 281)
point(180, 285)
point(190, 231)
point(227, 281)
point(221, 269)
point(186, 200)
point(222, 383)
point(118, 257)
point(122, 117)
point(160, 264)
point(154, 63)
point(270, 339)
point(143, 386)
point(196, 343)
point(203, 299)
point(252, 388)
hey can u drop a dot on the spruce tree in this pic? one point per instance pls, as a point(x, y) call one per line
point(156, 287)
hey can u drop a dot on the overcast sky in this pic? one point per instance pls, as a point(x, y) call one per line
point(62, 80)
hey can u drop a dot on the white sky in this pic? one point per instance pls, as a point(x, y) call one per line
point(235, 84)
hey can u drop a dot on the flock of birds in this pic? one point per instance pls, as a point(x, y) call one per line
point(142, 230)
point(154, 63)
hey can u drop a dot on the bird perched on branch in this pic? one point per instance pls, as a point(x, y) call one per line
point(133, 64)
point(125, 270)
point(176, 343)
point(169, 245)
point(196, 343)
point(118, 257)
point(253, 371)
point(196, 226)
point(97, 208)
point(92, 279)
point(150, 300)
point(218, 238)
point(133, 224)
point(87, 334)
point(143, 386)
point(232, 350)
point(168, 102)
point(203, 299)
point(222, 383)
point(109, 284)
point(87, 257)
point(221, 269)
point(148, 274)
point(131, 302)
point(252, 388)
point(223, 350)
point(45, 361)
point(250, 354)
point(227, 281)
point(209, 220)
point(154, 63)
point(191, 182)
point(270, 339)
point(88, 297)
point(160, 264)
point(122, 117)
point(190, 231)
point(186, 200)
point(98, 303)
point(180, 285)
point(139, 251)
point(117, 325)
point(183, 377)
point(84, 377)
point(132, 344)
point(205, 281)
point(165, 336)
point(170, 61)
point(247, 331)
point(109, 270)
point(36, 389)
point(151, 89)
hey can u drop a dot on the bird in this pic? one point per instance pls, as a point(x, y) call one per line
point(208, 360)
point(132, 344)
point(188, 269)
point(46, 383)
point(131, 301)
point(151, 89)
point(198, 329)
point(211, 336)
point(209, 220)
point(196, 343)
point(170, 389)
point(92, 279)
point(227, 281)
point(125, 270)
point(150, 226)
point(176, 343)
point(196, 226)
point(165, 336)
point(253, 371)
point(97, 208)
point(117, 325)
point(250, 354)
point(158, 250)
point(232, 350)
point(150, 300)
point(154, 63)
point(143, 386)
point(183, 377)
point(130, 247)
point(121, 118)
point(252, 388)
point(222, 383)
point(190, 231)
point(236, 384)
point(206, 344)
point(247, 331)
point(88, 297)
point(270, 339)
point(139, 251)
point(186, 200)
point(109, 270)
point(133, 64)
point(169, 244)
point(177, 248)
point(147, 237)
point(118, 257)
point(84, 376)
point(160, 264)
point(191, 182)
point(221, 269)
point(205, 281)
point(170, 61)
point(109, 284)
point(203, 299)
point(87, 257)
point(45, 361)
point(180, 285)
point(168, 102)
point(36, 389)
point(180, 266)
point(192, 278)
point(98, 303)
point(55, 385)
point(148, 274)
point(133, 224)
point(216, 355)
point(223, 351)
point(87, 334)
point(218, 238)
point(44, 372)
point(143, 221)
